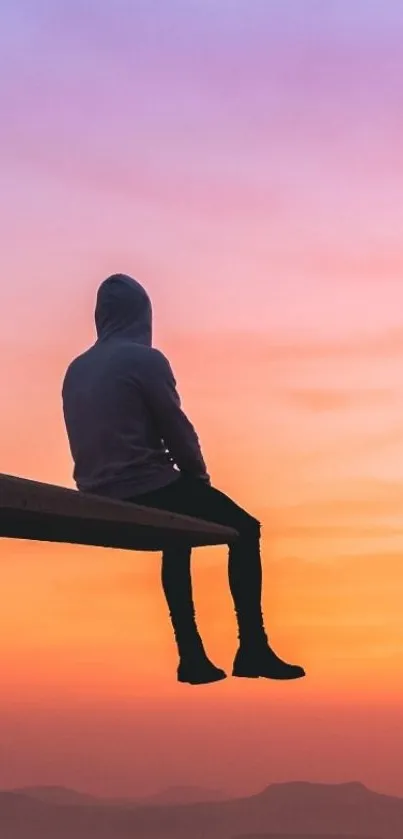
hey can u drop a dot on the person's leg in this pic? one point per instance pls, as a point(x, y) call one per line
point(177, 586)
point(194, 665)
point(194, 497)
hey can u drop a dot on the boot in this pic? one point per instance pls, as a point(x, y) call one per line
point(259, 660)
point(200, 672)
point(195, 667)
point(255, 657)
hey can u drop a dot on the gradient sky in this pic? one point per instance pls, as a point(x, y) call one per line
point(243, 160)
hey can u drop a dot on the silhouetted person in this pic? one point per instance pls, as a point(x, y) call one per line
point(127, 432)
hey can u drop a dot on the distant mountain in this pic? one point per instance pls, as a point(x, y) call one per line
point(300, 809)
point(170, 795)
point(184, 795)
point(58, 795)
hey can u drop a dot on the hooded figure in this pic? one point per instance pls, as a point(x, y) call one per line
point(127, 432)
point(130, 439)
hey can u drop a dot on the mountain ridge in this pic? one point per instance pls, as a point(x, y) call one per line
point(70, 795)
point(299, 809)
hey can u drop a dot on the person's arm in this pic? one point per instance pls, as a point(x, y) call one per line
point(177, 432)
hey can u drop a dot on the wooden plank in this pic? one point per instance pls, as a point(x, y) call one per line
point(48, 513)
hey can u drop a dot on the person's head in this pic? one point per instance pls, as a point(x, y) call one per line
point(123, 309)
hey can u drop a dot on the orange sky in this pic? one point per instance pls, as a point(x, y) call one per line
point(85, 630)
point(259, 199)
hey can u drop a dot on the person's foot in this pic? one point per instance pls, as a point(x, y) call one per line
point(263, 662)
point(199, 670)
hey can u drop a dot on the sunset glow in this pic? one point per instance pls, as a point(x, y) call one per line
point(243, 161)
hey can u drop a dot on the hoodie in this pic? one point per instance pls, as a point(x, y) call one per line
point(127, 432)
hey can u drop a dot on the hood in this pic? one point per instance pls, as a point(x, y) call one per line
point(123, 310)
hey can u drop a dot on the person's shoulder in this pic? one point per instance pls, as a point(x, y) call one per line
point(76, 361)
point(158, 356)
point(156, 361)
point(140, 354)
point(73, 369)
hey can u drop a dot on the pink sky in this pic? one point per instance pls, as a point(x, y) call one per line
point(243, 161)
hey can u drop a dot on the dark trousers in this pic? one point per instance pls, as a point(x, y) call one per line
point(193, 497)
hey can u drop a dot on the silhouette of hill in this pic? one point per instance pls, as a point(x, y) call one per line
point(301, 809)
point(184, 795)
point(58, 795)
point(170, 795)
